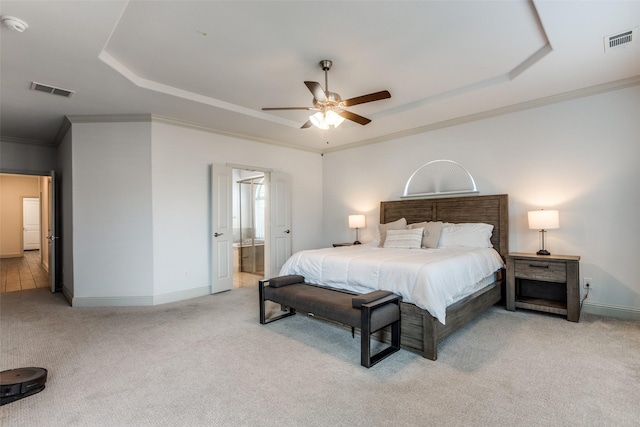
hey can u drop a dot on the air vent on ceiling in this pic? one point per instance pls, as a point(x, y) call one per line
point(621, 40)
point(52, 90)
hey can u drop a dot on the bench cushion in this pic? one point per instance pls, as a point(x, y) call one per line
point(330, 304)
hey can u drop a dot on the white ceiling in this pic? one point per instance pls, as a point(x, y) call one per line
point(215, 64)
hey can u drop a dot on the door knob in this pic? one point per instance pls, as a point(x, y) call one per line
point(287, 231)
point(217, 234)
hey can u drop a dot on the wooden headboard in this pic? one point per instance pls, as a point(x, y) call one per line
point(492, 209)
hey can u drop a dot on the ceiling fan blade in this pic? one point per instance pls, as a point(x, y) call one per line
point(288, 108)
point(306, 124)
point(317, 91)
point(376, 96)
point(353, 117)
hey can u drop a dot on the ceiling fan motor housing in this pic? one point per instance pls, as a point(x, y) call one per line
point(333, 101)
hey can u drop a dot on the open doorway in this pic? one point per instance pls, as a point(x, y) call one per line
point(275, 196)
point(249, 222)
point(26, 222)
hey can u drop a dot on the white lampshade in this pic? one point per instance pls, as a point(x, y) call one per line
point(333, 119)
point(356, 221)
point(326, 120)
point(318, 120)
point(543, 220)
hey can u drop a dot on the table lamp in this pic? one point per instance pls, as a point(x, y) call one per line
point(356, 221)
point(543, 220)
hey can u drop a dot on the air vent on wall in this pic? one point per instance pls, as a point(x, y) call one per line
point(621, 40)
point(52, 90)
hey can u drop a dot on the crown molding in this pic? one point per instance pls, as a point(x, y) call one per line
point(541, 102)
point(109, 118)
point(177, 122)
point(11, 139)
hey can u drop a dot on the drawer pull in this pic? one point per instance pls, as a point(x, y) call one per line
point(538, 266)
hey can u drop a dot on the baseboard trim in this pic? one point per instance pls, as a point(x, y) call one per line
point(12, 255)
point(181, 295)
point(625, 313)
point(68, 294)
point(139, 301)
point(85, 302)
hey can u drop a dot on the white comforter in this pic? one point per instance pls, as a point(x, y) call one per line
point(432, 279)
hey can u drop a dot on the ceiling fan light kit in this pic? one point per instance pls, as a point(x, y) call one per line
point(329, 106)
point(13, 23)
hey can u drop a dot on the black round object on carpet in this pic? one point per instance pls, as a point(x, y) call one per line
point(19, 383)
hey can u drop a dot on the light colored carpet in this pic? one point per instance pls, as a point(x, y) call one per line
point(208, 361)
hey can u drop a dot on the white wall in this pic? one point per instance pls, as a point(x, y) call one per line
point(112, 230)
point(580, 157)
point(32, 159)
point(181, 199)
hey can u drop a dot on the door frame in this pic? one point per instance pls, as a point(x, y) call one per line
point(54, 218)
point(268, 244)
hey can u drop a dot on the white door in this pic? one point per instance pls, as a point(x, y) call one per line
point(279, 199)
point(51, 235)
point(31, 223)
point(221, 229)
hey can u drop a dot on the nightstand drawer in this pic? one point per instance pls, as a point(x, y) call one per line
point(547, 271)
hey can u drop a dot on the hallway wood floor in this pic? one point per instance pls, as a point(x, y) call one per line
point(17, 274)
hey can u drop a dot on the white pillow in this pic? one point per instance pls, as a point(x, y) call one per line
point(405, 239)
point(431, 233)
point(400, 224)
point(467, 235)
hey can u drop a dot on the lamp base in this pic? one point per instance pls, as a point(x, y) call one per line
point(543, 252)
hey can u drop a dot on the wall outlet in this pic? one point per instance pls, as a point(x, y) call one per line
point(587, 283)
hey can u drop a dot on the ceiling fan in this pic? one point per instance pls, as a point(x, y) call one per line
point(329, 106)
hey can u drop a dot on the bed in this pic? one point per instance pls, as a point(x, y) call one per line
point(422, 331)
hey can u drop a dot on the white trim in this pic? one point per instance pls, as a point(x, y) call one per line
point(12, 254)
point(67, 294)
point(549, 100)
point(181, 295)
point(138, 301)
point(191, 96)
point(11, 139)
point(625, 313)
point(111, 301)
point(535, 103)
point(110, 118)
point(177, 122)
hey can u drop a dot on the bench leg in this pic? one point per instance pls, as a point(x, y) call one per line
point(263, 312)
point(366, 359)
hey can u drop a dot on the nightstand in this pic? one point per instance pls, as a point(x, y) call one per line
point(548, 283)
point(335, 245)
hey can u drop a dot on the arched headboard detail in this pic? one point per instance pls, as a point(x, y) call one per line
point(439, 178)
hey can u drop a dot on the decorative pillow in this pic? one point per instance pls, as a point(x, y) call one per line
point(431, 233)
point(467, 235)
point(400, 224)
point(406, 239)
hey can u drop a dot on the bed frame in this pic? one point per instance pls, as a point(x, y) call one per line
point(422, 332)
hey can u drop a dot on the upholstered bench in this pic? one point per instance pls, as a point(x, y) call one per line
point(368, 312)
